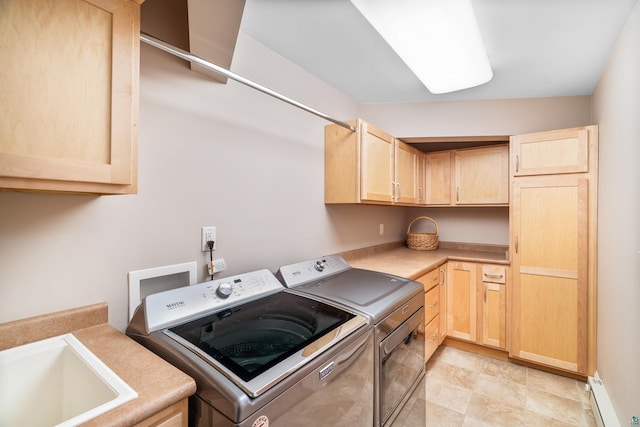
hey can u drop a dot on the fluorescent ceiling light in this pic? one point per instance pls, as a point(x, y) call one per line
point(439, 40)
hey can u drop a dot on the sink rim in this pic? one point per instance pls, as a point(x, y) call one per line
point(124, 393)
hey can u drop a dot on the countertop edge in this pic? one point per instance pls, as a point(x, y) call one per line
point(158, 383)
point(396, 258)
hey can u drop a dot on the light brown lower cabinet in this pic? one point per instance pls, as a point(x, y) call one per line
point(430, 339)
point(176, 415)
point(494, 307)
point(477, 303)
point(432, 282)
point(442, 317)
point(550, 287)
point(461, 300)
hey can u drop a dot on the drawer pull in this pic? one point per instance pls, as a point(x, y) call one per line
point(433, 338)
point(494, 276)
point(433, 304)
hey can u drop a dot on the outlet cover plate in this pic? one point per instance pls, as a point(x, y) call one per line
point(208, 233)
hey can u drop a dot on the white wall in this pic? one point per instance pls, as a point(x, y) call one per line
point(616, 108)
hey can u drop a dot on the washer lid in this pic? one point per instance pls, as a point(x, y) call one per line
point(373, 293)
point(331, 278)
point(259, 343)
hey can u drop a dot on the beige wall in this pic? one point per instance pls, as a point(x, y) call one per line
point(490, 117)
point(616, 108)
point(231, 157)
point(210, 154)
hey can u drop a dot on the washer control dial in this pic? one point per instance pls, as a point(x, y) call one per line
point(319, 265)
point(224, 290)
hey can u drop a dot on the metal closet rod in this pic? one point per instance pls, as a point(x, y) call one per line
point(180, 53)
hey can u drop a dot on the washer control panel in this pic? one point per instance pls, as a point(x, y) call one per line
point(308, 271)
point(174, 306)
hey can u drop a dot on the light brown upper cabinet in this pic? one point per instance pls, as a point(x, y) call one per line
point(369, 166)
point(421, 176)
point(69, 114)
point(407, 189)
point(554, 152)
point(438, 178)
point(481, 176)
point(553, 256)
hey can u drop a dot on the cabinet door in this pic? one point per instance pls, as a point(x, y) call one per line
point(549, 262)
point(442, 315)
point(438, 178)
point(175, 415)
point(461, 300)
point(494, 315)
point(406, 174)
point(481, 176)
point(552, 152)
point(430, 338)
point(69, 112)
point(421, 178)
point(377, 174)
point(431, 304)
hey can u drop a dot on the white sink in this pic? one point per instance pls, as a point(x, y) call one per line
point(56, 381)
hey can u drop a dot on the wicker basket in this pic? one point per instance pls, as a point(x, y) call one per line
point(422, 241)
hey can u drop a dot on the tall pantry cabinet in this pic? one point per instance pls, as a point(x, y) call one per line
point(553, 248)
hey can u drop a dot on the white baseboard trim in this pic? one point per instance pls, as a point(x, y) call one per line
point(601, 405)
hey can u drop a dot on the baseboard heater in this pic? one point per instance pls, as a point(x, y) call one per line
point(600, 404)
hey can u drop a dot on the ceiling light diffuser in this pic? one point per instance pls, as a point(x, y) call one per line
point(439, 40)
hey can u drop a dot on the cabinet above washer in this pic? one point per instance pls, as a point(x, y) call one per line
point(69, 116)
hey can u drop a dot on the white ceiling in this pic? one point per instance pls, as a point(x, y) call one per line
point(537, 48)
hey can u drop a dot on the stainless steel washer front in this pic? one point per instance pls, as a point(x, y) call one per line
point(273, 358)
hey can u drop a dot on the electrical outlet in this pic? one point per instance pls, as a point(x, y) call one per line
point(208, 233)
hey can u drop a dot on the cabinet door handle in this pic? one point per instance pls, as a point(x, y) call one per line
point(399, 191)
point(517, 163)
point(485, 295)
point(516, 244)
point(394, 193)
point(457, 194)
point(442, 270)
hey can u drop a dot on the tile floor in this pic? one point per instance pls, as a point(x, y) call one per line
point(466, 389)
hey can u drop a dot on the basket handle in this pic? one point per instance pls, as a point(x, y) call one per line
point(422, 217)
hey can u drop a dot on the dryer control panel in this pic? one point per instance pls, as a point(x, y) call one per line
point(308, 271)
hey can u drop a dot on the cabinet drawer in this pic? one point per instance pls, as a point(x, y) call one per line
point(431, 338)
point(494, 274)
point(430, 279)
point(431, 304)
